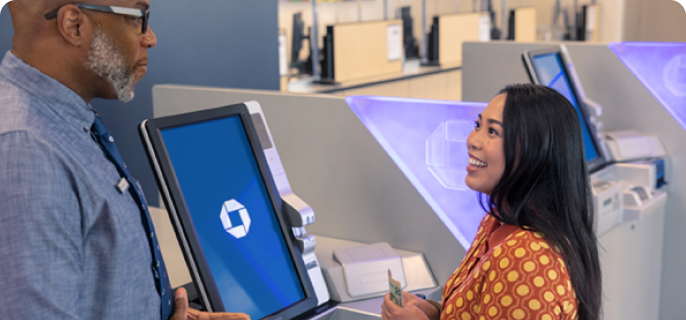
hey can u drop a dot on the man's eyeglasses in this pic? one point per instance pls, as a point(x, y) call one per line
point(144, 15)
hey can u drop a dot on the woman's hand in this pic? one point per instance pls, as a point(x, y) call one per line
point(410, 311)
point(427, 308)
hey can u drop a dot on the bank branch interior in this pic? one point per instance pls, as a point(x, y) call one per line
point(295, 195)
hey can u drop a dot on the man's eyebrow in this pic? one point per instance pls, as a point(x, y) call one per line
point(142, 5)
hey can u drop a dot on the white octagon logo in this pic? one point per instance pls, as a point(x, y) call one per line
point(240, 230)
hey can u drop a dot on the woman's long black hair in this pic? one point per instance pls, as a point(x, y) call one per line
point(545, 186)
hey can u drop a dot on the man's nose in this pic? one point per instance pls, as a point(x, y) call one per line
point(149, 40)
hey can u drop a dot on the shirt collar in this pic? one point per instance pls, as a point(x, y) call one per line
point(56, 96)
point(500, 232)
point(496, 232)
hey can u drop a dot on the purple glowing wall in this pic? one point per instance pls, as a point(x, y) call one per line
point(661, 67)
point(427, 140)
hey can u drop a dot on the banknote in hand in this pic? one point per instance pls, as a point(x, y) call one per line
point(395, 290)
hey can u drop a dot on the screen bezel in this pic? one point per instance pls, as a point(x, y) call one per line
point(528, 59)
point(151, 135)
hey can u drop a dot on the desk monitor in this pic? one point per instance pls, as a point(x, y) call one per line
point(511, 24)
point(226, 212)
point(553, 67)
point(297, 37)
point(433, 44)
point(409, 41)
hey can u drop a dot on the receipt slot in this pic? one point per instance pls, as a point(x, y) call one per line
point(356, 271)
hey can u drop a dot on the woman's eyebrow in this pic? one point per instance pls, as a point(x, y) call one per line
point(492, 121)
point(495, 122)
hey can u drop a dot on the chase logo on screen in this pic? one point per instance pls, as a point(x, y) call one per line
point(235, 218)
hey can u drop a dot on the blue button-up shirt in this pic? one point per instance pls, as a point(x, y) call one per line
point(71, 245)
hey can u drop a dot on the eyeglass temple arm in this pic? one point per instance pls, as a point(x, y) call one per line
point(52, 14)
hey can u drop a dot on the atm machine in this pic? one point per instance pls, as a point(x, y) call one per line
point(636, 183)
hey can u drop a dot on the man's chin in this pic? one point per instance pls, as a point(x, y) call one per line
point(126, 95)
point(128, 98)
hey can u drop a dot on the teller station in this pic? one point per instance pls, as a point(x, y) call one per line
point(288, 206)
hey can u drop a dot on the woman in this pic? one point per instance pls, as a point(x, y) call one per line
point(535, 254)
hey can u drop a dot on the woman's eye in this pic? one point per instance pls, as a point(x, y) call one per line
point(492, 131)
point(477, 124)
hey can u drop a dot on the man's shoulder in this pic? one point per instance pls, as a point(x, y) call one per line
point(17, 109)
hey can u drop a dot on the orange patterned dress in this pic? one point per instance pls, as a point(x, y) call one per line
point(509, 273)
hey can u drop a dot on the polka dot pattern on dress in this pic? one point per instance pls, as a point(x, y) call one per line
point(521, 276)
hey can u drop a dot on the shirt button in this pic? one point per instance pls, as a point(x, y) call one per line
point(111, 139)
point(158, 264)
point(169, 302)
point(152, 235)
point(163, 291)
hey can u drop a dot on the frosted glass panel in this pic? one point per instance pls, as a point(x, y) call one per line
point(427, 140)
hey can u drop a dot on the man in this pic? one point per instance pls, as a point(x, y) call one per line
point(74, 243)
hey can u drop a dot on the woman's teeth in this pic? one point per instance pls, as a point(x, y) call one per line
point(474, 161)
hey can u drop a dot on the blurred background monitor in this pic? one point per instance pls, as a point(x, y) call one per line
point(511, 25)
point(409, 41)
point(487, 6)
point(433, 43)
point(297, 37)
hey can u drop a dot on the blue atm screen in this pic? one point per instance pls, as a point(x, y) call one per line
point(233, 216)
point(550, 72)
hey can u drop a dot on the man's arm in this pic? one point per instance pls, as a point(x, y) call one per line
point(40, 232)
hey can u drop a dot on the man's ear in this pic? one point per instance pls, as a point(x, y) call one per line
point(73, 24)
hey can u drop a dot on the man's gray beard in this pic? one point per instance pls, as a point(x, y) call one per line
point(107, 61)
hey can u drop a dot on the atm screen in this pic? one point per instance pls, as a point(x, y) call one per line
point(550, 67)
point(226, 210)
point(221, 183)
point(552, 74)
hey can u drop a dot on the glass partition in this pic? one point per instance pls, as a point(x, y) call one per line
point(427, 140)
point(661, 67)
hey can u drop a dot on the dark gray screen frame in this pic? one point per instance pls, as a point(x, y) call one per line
point(150, 133)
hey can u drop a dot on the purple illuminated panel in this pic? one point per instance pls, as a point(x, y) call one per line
point(661, 67)
point(427, 140)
